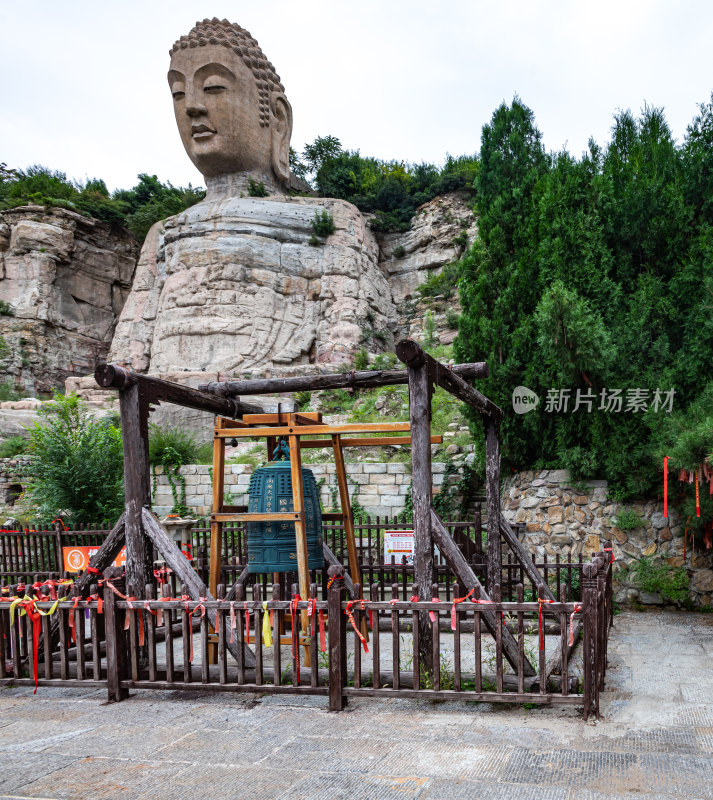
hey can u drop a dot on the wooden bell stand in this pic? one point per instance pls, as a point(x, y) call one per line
point(292, 427)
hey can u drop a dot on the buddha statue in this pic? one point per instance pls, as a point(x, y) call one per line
point(238, 284)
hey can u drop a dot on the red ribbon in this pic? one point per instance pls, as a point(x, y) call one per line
point(542, 601)
point(322, 637)
point(71, 619)
point(295, 635)
point(457, 600)
point(577, 609)
point(665, 486)
point(247, 624)
point(698, 501)
point(348, 612)
point(432, 614)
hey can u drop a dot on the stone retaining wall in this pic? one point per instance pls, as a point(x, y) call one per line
point(574, 519)
point(380, 488)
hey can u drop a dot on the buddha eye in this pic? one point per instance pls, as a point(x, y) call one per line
point(178, 95)
point(214, 88)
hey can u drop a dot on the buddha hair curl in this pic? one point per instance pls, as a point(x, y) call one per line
point(231, 35)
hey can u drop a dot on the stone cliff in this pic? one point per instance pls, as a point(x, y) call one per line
point(65, 278)
point(240, 285)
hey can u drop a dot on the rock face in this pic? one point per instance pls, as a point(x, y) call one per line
point(440, 231)
point(66, 278)
point(234, 286)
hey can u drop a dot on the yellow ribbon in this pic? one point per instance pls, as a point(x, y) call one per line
point(266, 629)
point(22, 613)
point(14, 605)
point(51, 610)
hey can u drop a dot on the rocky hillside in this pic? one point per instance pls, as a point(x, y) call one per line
point(65, 279)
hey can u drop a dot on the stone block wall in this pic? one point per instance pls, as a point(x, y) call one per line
point(380, 489)
point(574, 519)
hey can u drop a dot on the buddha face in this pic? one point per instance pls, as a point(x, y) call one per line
point(216, 102)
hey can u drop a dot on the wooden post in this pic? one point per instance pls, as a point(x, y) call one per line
point(298, 499)
point(421, 488)
point(589, 646)
point(137, 489)
point(492, 488)
point(116, 665)
point(337, 640)
point(346, 508)
point(216, 528)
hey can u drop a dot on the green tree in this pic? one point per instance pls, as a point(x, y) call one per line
point(590, 274)
point(76, 467)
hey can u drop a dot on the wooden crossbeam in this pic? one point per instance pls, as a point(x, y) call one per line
point(365, 441)
point(364, 379)
point(315, 430)
point(413, 355)
point(277, 516)
point(302, 418)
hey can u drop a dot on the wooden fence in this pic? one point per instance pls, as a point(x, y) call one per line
point(30, 553)
point(93, 648)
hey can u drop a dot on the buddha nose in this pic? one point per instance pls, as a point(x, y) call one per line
point(194, 108)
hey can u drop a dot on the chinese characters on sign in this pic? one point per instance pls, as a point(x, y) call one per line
point(398, 544)
point(613, 401)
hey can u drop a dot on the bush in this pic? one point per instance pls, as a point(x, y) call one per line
point(658, 577)
point(322, 224)
point(399, 251)
point(302, 399)
point(77, 467)
point(627, 520)
point(9, 392)
point(443, 283)
point(361, 359)
point(429, 331)
point(390, 190)
point(171, 448)
point(256, 188)
point(171, 445)
point(6, 309)
point(136, 209)
point(13, 446)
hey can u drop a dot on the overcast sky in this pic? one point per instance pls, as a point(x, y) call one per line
point(83, 83)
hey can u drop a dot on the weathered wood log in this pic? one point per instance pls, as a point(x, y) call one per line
point(413, 355)
point(420, 388)
point(114, 376)
point(468, 578)
point(104, 557)
point(240, 581)
point(137, 490)
point(367, 379)
point(184, 572)
point(523, 557)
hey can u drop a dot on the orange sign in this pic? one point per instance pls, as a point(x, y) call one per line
point(77, 558)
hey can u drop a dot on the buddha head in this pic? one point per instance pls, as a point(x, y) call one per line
point(230, 106)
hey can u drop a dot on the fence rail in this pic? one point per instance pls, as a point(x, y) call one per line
point(311, 646)
point(29, 553)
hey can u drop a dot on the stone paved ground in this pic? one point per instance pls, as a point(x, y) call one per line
point(654, 742)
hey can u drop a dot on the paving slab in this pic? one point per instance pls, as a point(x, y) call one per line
point(654, 741)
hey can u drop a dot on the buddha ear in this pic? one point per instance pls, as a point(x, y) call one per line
point(281, 134)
